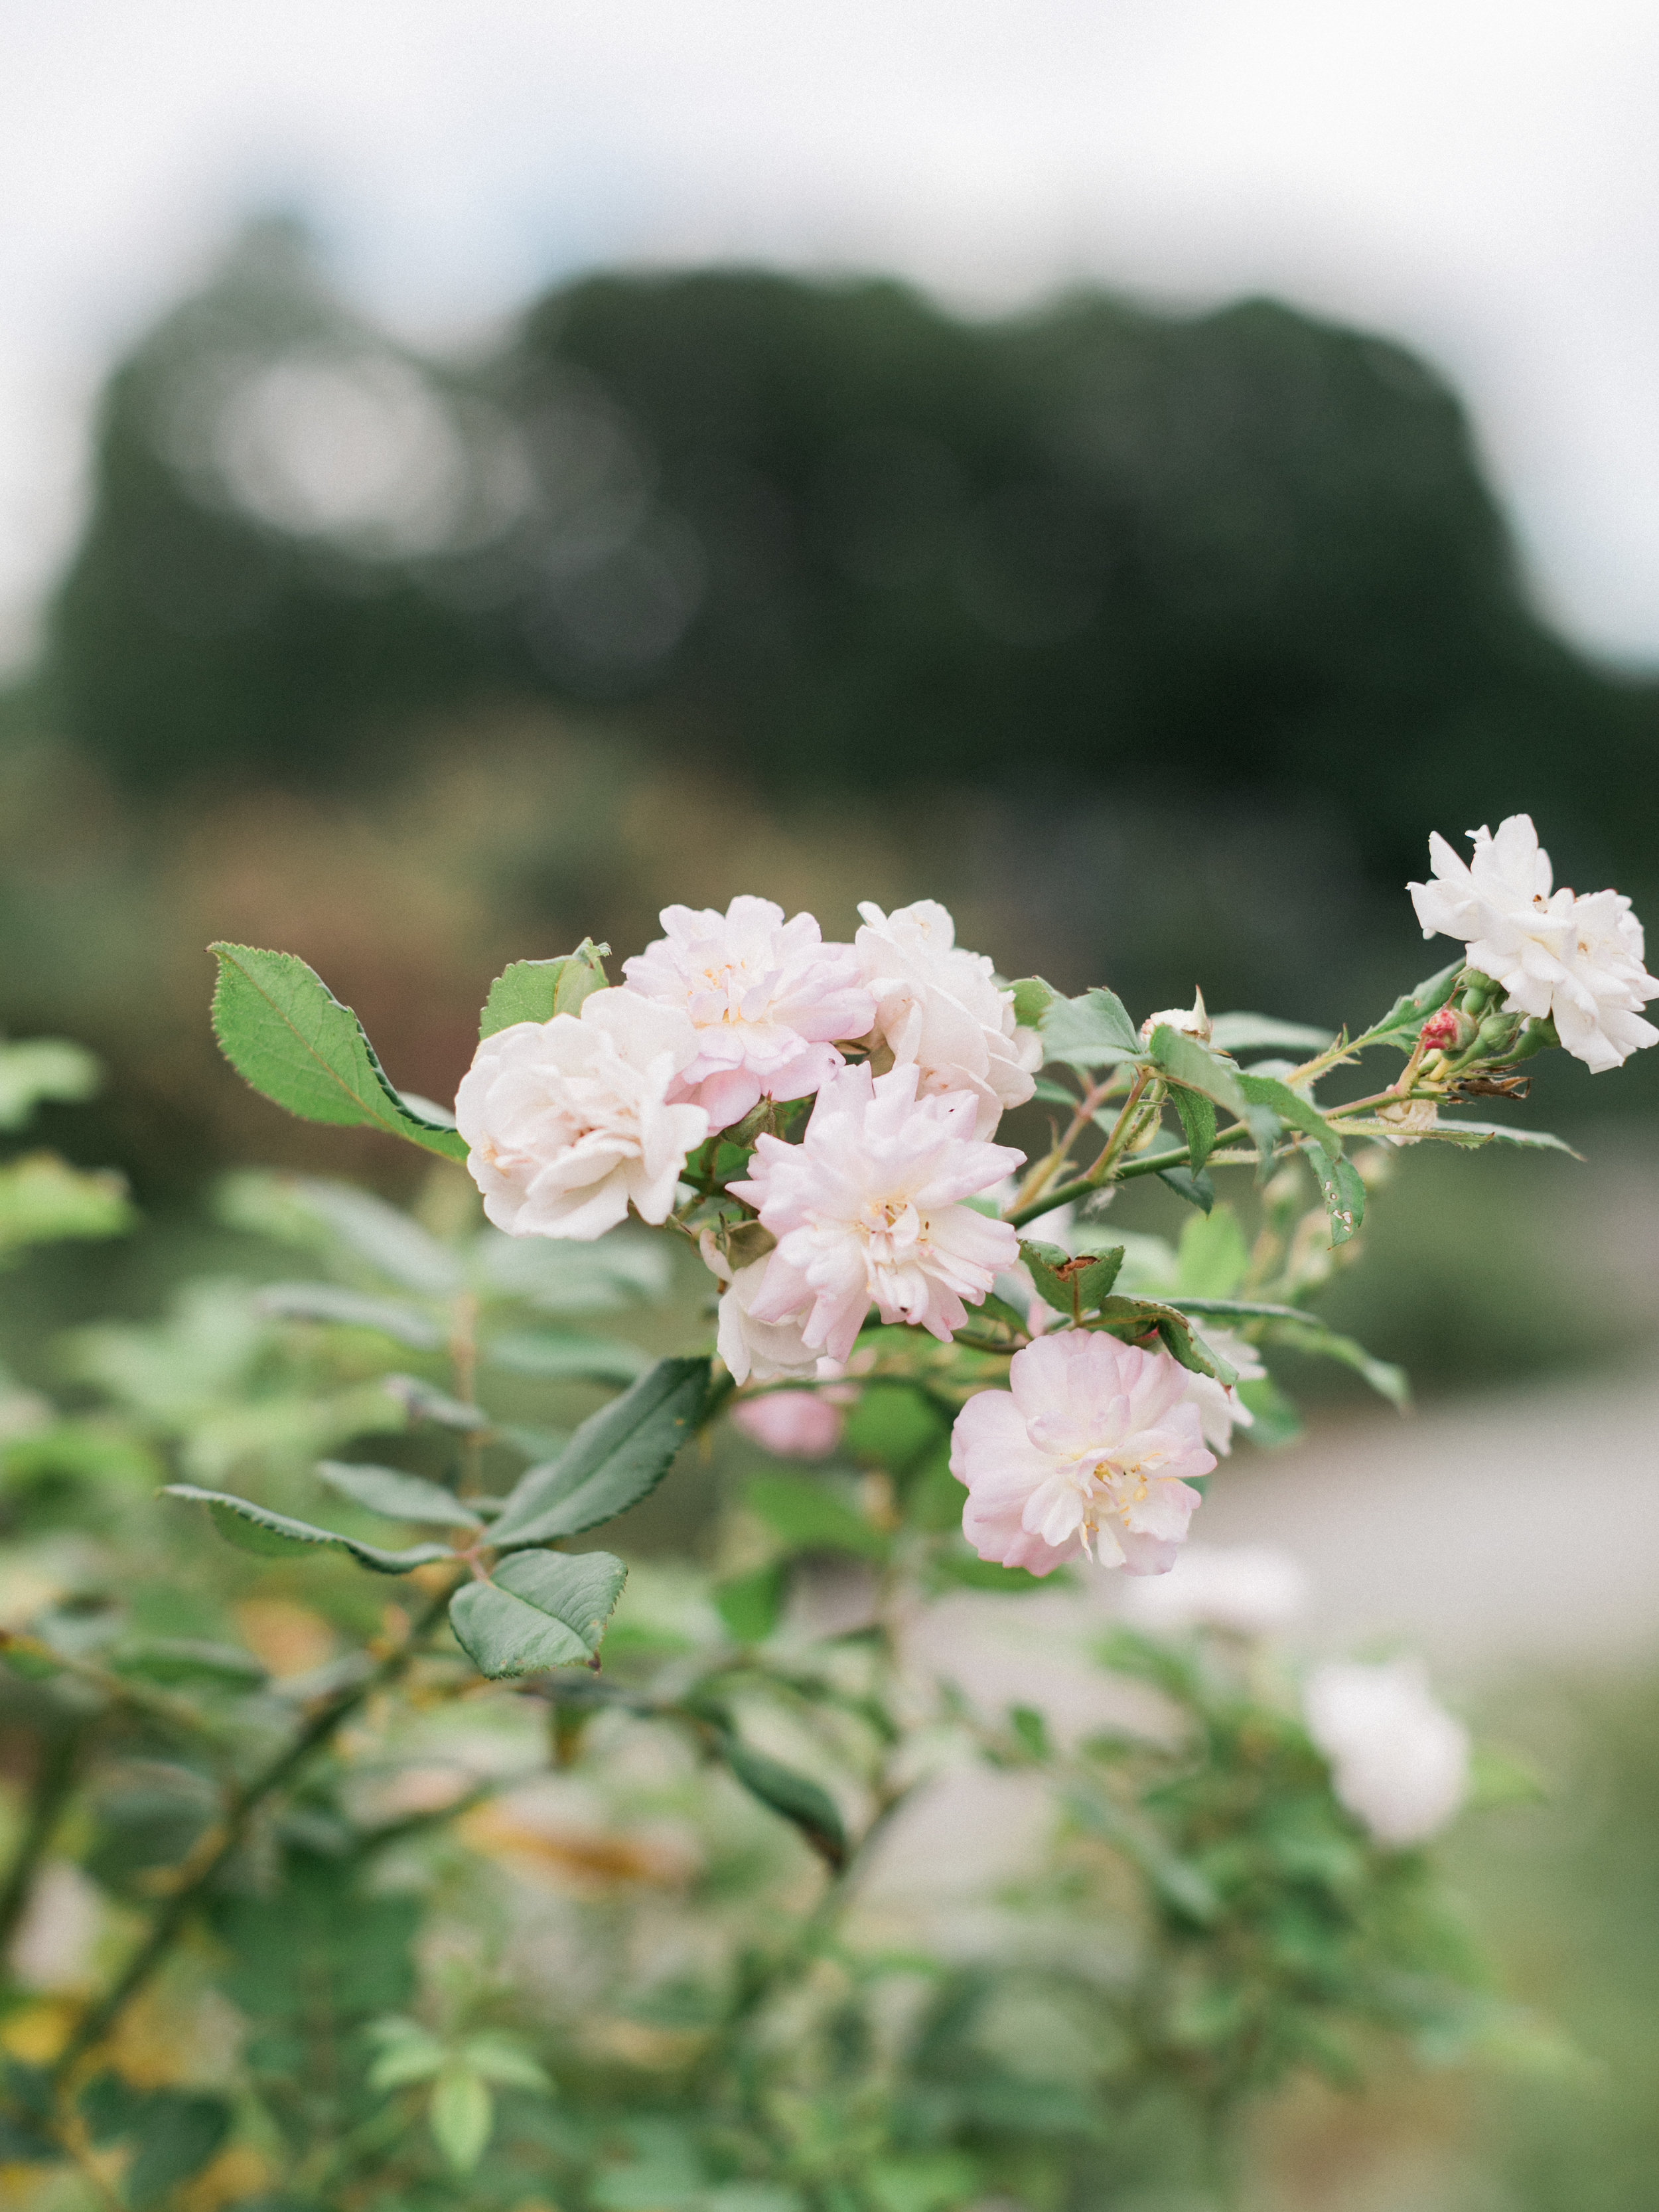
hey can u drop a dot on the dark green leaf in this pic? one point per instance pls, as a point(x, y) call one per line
point(172, 1659)
point(1197, 1124)
point(541, 1609)
point(1032, 1000)
point(1343, 1194)
point(285, 1032)
point(1070, 1285)
point(796, 1796)
point(1304, 1334)
point(566, 1357)
point(1252, 1032)
point(256, 1528)
point(616, 1457)
point(1238, 1309)
point(809, 1516)
point(750, 1605)
point(174, 2132)
point(1401, 1024)
point(1197, 1189)
point(536, 990)
point(327, 1301)
point(1135, 1319)
point(1090, 1031)
point(397, 1496)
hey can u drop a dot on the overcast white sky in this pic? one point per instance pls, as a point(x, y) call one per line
point(1478, 177)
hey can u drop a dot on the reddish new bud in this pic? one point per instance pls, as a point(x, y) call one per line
point(1446, 1031)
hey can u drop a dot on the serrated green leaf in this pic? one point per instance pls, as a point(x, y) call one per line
point(1197, 1117)
point(397, 1496)
point(1252, 1032)
point(800, 1799)
point(1070, 1285)
point(1343, 1194)
point(809, 1516)
point(618, 1456)
point(539, 1609)
point(1197, 1189)
point(285, 1033)
point(462, 2116)
point(565, 1358)
point(256, 1528)
point(1032, 1000)
point(37, 1069)
point(1401, 1024)
point(1090, 1031)
point(329, 1302)
point(536, 990)
point(1291, 1108)
point(173, 1660)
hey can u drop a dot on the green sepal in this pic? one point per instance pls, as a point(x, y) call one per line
point(256, 1528)
point(536, 990)
point(284, 1031)
point(539, 1609)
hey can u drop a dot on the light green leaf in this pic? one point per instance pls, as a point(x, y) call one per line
point(565, 1358)
point(41, 1068)
point(1343, 1194)
point(1212, 1256)
point(503, 2060)
point(1090, 1031)
point(256, 1528)
point(409, 2053)
point(329, 1302)
point(809, 1516)
point(1250, 1032)
point(398, 1495)
point(541, 1609)
point(750, 1605)
point(44, 1200)
point(284, 1031)
point(462, 2116)
point(618, 1456)
point(796, 1796)
point(1295, 1111)
point(536, 990)
point(1238, 1309)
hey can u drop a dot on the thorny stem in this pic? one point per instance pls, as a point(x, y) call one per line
point(175, 1915)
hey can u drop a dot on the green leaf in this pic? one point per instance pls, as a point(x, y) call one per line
point(618, 1456)
point(174, 2133)
point(284, 1031)
point(462, 2116)
point(1251, 1032)
point(42, 1068)
point(423, 1401)
point(1236, 1309)
point(540, 1609)
point(796, 1796)
point(565, 1358)
point(1184, 1060)
point(1343, 1194)
point(44, 1200)
point(536, 990)
point(1295, 1111)
point(409, 2053)
point(1305, 1334)
point(750, 1605)
point(1475, 1134)
point(810, 1518)
point(173, 1660)
point(384, 1236)
point(1197, 1117)
point(1274, 1419)
point(1032, 1000)
point(397, 1496)
point(1401, 1024)
point(1054, 1094)
point(328, 1302)
point(1197, 1189)
point(256, 1528)
point(1213, 1257)
point(504, 2060)
point(1136, 1319)
point(1070, 1285)
point(1090, 1031)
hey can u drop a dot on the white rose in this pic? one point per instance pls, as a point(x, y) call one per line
point(568, 1121)
point(1399, 1761)
point(755, 1351)
point(939, 1008)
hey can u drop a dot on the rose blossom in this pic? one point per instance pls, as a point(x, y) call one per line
point(1399, 1761)
point(1575, 961)
point(766, 997)
point(1083, 1453)
point(754, 1351)
point(939, 1008)
point(568, 1121)
point(866, 1208)
point(1249, 1589)
point(794, 1423)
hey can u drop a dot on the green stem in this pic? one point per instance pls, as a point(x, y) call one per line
point(170, 1922)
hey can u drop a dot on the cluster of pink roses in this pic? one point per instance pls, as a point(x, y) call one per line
point(910, 1049)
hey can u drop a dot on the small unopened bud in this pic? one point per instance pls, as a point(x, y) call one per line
point(1192, 1021)
point(1449, 1031)
point(1498, 1033)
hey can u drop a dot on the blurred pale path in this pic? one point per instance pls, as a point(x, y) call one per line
point(1478, 179)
